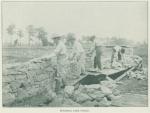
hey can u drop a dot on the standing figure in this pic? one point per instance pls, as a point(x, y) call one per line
point(76, 57)
point(60, 53)
point(123, 57)
point(98, 53)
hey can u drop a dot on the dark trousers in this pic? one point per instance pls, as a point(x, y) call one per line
point(97, 59)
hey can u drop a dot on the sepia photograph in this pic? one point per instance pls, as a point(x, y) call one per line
point(74, 54)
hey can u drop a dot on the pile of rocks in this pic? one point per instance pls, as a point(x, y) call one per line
point(138, 72)
point(93, 95)
point(140, 75)
point(131, 61)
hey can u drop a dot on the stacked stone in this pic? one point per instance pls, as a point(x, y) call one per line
point(139, 72)
point(93, 95)
point(141, 75)
point(26, 80)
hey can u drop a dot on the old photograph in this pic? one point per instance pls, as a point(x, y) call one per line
point(74, 54)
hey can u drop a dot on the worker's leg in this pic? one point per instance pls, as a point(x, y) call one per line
point(82, 63)
point(98, 55)
point(99, 61)
point(112, 59)
point(82, 69)
point(95, 61)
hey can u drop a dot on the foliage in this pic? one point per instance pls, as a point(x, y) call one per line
point(11, 29)
point(31, 30)
point(20, 33)
point(42, 35)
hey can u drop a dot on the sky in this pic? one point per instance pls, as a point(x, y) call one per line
point(103, 19)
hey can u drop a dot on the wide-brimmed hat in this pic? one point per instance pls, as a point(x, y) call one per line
point(93, 37)
point(70, 37)
point(117, 48)
point(56, 36)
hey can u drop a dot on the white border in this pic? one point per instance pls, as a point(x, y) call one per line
point(71, 109)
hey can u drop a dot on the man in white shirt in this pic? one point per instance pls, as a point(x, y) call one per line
point(60, 52)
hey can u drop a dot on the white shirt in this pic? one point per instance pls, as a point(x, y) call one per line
point(60, 49)
point(97, 42)
point(78, 47)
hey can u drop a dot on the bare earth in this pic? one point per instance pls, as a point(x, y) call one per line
point(134, 92)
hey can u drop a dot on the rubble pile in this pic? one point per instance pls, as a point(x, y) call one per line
point(93, 95)
point(137, 72)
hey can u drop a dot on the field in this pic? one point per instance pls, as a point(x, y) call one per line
point(19, 55)
point(23, 54)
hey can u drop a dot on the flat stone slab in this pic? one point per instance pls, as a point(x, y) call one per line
point(94, 73)
point(110, 71)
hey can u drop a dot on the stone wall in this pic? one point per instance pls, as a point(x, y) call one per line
point(27, 79)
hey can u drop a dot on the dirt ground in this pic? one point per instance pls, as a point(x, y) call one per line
point(134, 93)
point(134, 86)
point(131, 89)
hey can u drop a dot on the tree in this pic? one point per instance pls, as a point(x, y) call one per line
point(20, 35)
point(11, 31)
point(42, 35)
point(31, 33)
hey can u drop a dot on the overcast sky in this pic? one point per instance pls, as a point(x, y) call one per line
point(103, 19)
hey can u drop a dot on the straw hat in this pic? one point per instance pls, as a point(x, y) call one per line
point(92, 37)
point(56, 36)
point(117, 48)
point(70, 37)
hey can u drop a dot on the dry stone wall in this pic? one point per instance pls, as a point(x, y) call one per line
point(28, 79)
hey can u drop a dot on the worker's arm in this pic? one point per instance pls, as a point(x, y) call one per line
point(55, 53)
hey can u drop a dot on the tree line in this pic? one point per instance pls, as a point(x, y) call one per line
point(32, 31)
point(42, 35)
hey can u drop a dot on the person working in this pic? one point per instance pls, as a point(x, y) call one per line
point(60, 53)
point(77, 54)
point(98, 53)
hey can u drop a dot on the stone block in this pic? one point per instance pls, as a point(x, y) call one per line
point(8, 79)
point(90, 104)
point(7, 98)
point(69, 103)
point(69, 90)
point(81, 97)
point(93, 86)
point(97, 95)
point(7, 89)
point(51, 95)
point(106, 90)
point(20, 76)
point(21, 94)
point(41, 77)
point(116, 92)
point(104, 103)
point(33, 90)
